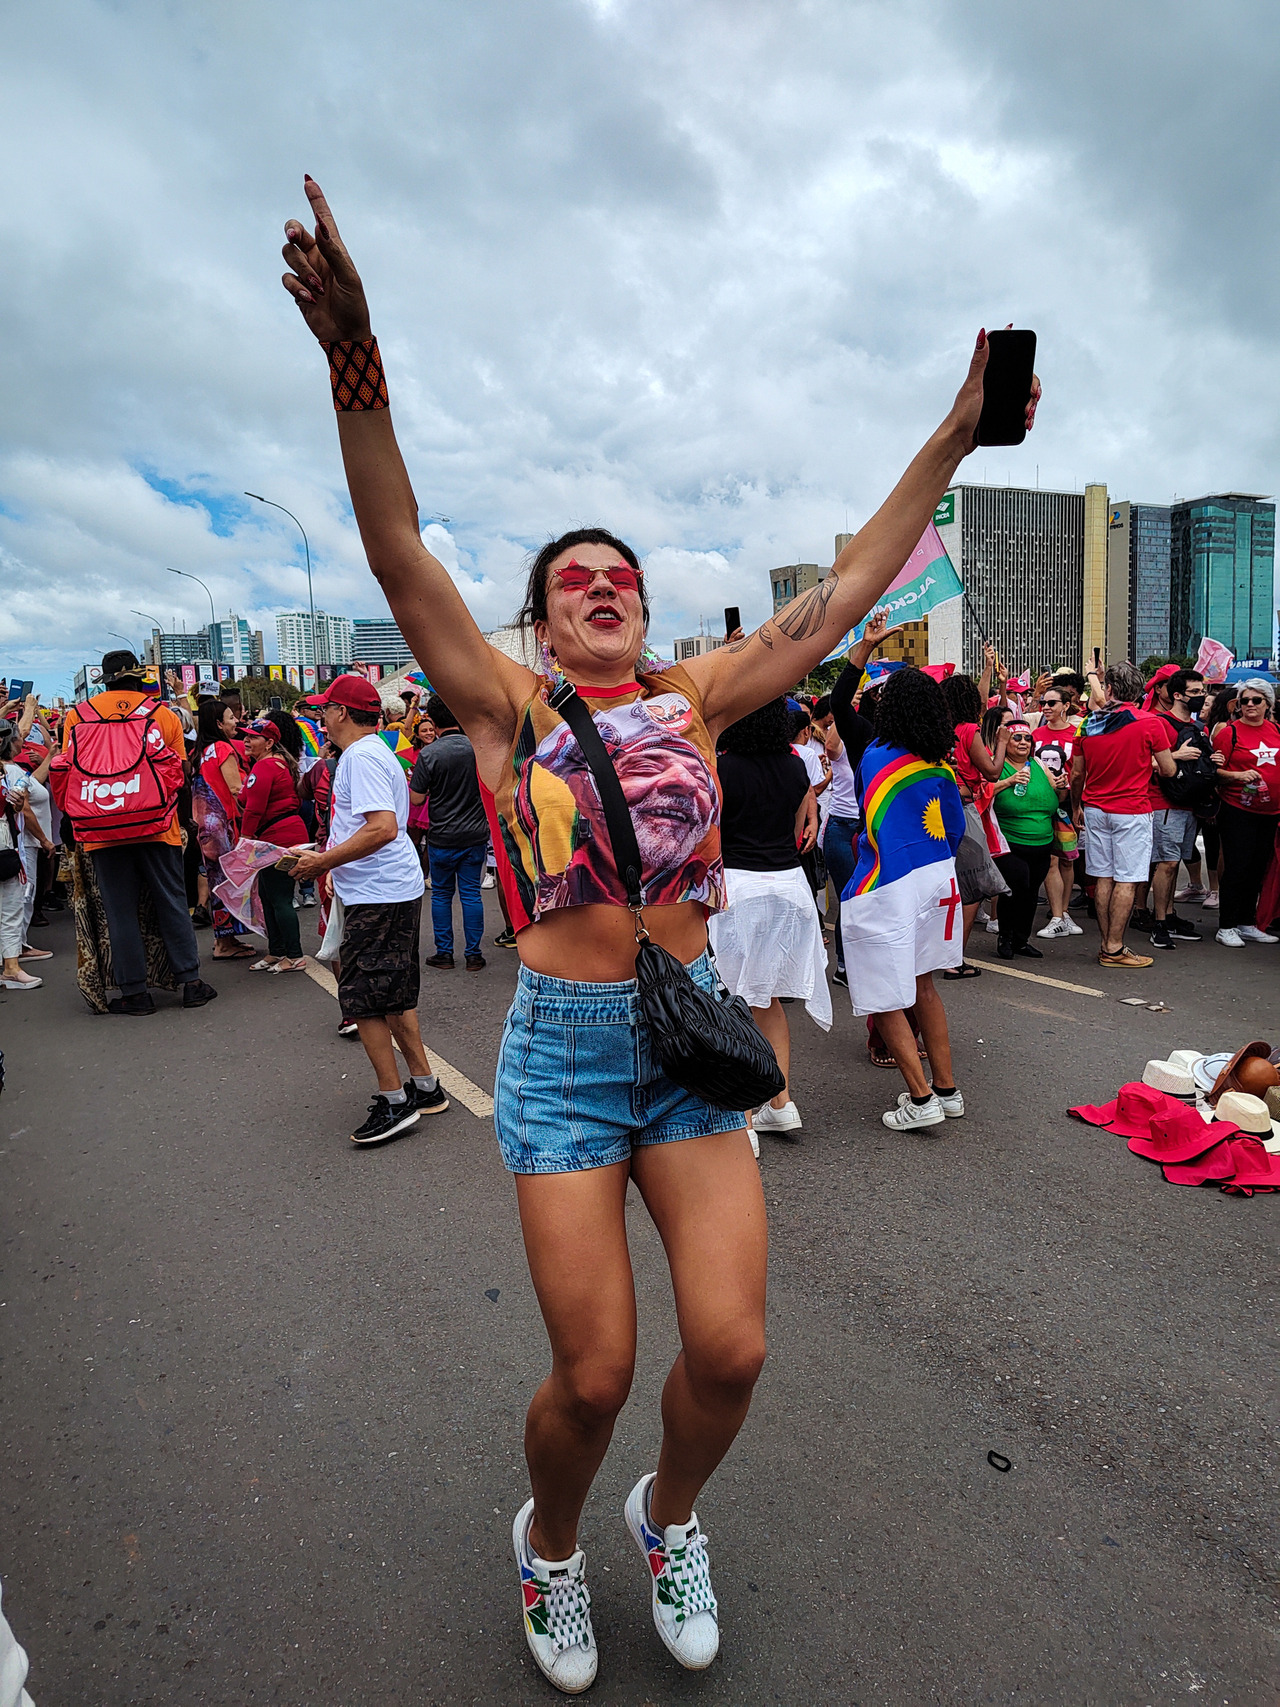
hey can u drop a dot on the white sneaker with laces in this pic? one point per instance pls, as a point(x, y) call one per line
point(1251, 933)
point(1056, 927)
point(952, 1106)
point(1073, 929)
point(909, 1116)
point(771, 1119)
point(993, 927)
point(557, 1611)
point(1228, 938)
point(684, 1608)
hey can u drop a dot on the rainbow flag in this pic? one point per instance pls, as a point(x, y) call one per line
point(312, 739)
point(401, 746)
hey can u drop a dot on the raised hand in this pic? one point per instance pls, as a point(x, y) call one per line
point(324, 282)
point(967, 408)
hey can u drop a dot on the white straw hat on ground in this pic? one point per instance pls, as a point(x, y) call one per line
point(1249, 1113)
point(1173, 1077)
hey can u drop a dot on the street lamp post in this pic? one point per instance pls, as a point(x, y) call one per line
point(213, 615)
point(159, 659)
point(306, 546)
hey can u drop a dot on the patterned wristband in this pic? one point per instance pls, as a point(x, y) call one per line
point(355, 372)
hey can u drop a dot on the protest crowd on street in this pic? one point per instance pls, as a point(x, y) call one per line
point(690, 860)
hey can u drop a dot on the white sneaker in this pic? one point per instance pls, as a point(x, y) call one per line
point(952, 1106)
point(771, 1119)
point(993, 927)
point(1056, 927)
point(1073, 929)
point(1251, 933)
point(1210, 900)
point(684, 1608)
point(1229, 938)
point(488, 881)
point(755, 1143)
point(557, 1611)
point(1192, 892)
point(910, 1117)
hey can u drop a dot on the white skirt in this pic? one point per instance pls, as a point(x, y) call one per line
point(768, 941)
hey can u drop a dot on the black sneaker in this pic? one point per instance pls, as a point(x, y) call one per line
point(443, 961)
point(475, 962)
point(1183, 931)
point(1004, 947)
point(136, 1006)
point(427, 1102)
point(1143, 919)
point(386, 1119)
point(840, 976)
point(200, 918)
point(506, 939)
point(1028, 951)
point(197, 993)
point(348, 1028)
point(1161, 936)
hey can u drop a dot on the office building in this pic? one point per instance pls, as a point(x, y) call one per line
point(1222, 567)
point(1021, 557)
point(1138, 568)
point(377, 640)
point(171, 651)
point(232, 641)
point(332, 639)
point(696, 646)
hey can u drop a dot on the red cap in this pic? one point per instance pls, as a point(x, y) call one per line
point(354, 692)
point(264, 727)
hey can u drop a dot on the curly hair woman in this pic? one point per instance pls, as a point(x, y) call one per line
point(768, 939)
point(900, 914)
point(581, 1108)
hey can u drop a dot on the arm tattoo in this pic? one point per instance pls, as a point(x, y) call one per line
point(764, 634)
point(807, 616)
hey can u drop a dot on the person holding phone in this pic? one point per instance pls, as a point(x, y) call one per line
point(581, 1110)
point(272, 812)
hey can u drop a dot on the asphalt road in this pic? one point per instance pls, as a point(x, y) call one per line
point(262, 1393)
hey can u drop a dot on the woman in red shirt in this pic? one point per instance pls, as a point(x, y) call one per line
point(270, 812)
point(216, 782)
point(1248, 750)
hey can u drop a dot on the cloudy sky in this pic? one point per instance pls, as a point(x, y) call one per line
point(706, 271)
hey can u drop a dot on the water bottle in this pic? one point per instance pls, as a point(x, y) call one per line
point(1019, 788)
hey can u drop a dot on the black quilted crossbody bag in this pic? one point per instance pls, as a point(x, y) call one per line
point(705, 1042)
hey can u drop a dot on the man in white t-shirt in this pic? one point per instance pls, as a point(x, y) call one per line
point(375, 874)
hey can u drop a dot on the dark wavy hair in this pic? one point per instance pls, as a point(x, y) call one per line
point(209, 714)
point(767, 730)
point(913, 714)
point(534, 608)
point(962, 700)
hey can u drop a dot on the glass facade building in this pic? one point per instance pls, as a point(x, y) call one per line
point(1138, 554)
point(1222, 553)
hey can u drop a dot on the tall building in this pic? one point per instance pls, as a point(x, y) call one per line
point(169, 651)
point(1021, 557)
point(695, 646)
point(792, 579)
point(377, 640)
point(293, 638)
point(1138, 560)
point(1222, 562)
point(232, 641)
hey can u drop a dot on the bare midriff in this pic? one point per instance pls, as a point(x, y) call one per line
point(597, 944)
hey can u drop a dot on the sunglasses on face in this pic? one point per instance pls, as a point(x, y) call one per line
point(1251, 699)
point(1048, 704)
point(621, 576)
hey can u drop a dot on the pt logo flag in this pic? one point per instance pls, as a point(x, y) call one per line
point(926, 579)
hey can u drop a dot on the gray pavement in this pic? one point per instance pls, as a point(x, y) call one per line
point(262, 1412)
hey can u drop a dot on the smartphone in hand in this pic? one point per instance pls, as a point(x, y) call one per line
point(1006, 388)
point(732, 619)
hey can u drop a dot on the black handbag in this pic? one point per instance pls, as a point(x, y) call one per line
point(10, 858)
point(705, 1042)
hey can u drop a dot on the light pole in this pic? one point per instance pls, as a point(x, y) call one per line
point(124, 637)
point(306, 546)
point(159, 659)
point(213, 615)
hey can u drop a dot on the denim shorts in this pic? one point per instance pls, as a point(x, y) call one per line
point(577, 1086)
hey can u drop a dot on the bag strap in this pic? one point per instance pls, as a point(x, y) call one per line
point(617, 814)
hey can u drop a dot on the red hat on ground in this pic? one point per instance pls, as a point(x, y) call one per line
point(1131, 1114)
point(1213, 1168)
point(352, 691)
point(1180, 1136)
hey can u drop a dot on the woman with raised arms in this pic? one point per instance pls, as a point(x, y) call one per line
point(580, 1107)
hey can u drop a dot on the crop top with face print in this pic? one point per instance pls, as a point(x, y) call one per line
point(549, 834)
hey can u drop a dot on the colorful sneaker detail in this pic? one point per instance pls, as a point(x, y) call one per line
point(557, 1611)
point(684, 1607)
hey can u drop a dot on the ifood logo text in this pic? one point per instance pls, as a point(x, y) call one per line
point(110, 796)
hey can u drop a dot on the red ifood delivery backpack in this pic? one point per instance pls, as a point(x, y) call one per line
point(118, 780)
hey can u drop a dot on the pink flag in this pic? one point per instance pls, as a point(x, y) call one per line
point(1213, 660)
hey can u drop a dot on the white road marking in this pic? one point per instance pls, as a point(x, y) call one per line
point(458, 1086)
point(1035, 977)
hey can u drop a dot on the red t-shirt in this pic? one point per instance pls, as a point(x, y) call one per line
point(1247, 748)
point(1117, 765)
point(269, 805)
point(962, 758)
point(1054, 747)
point(212, 760)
